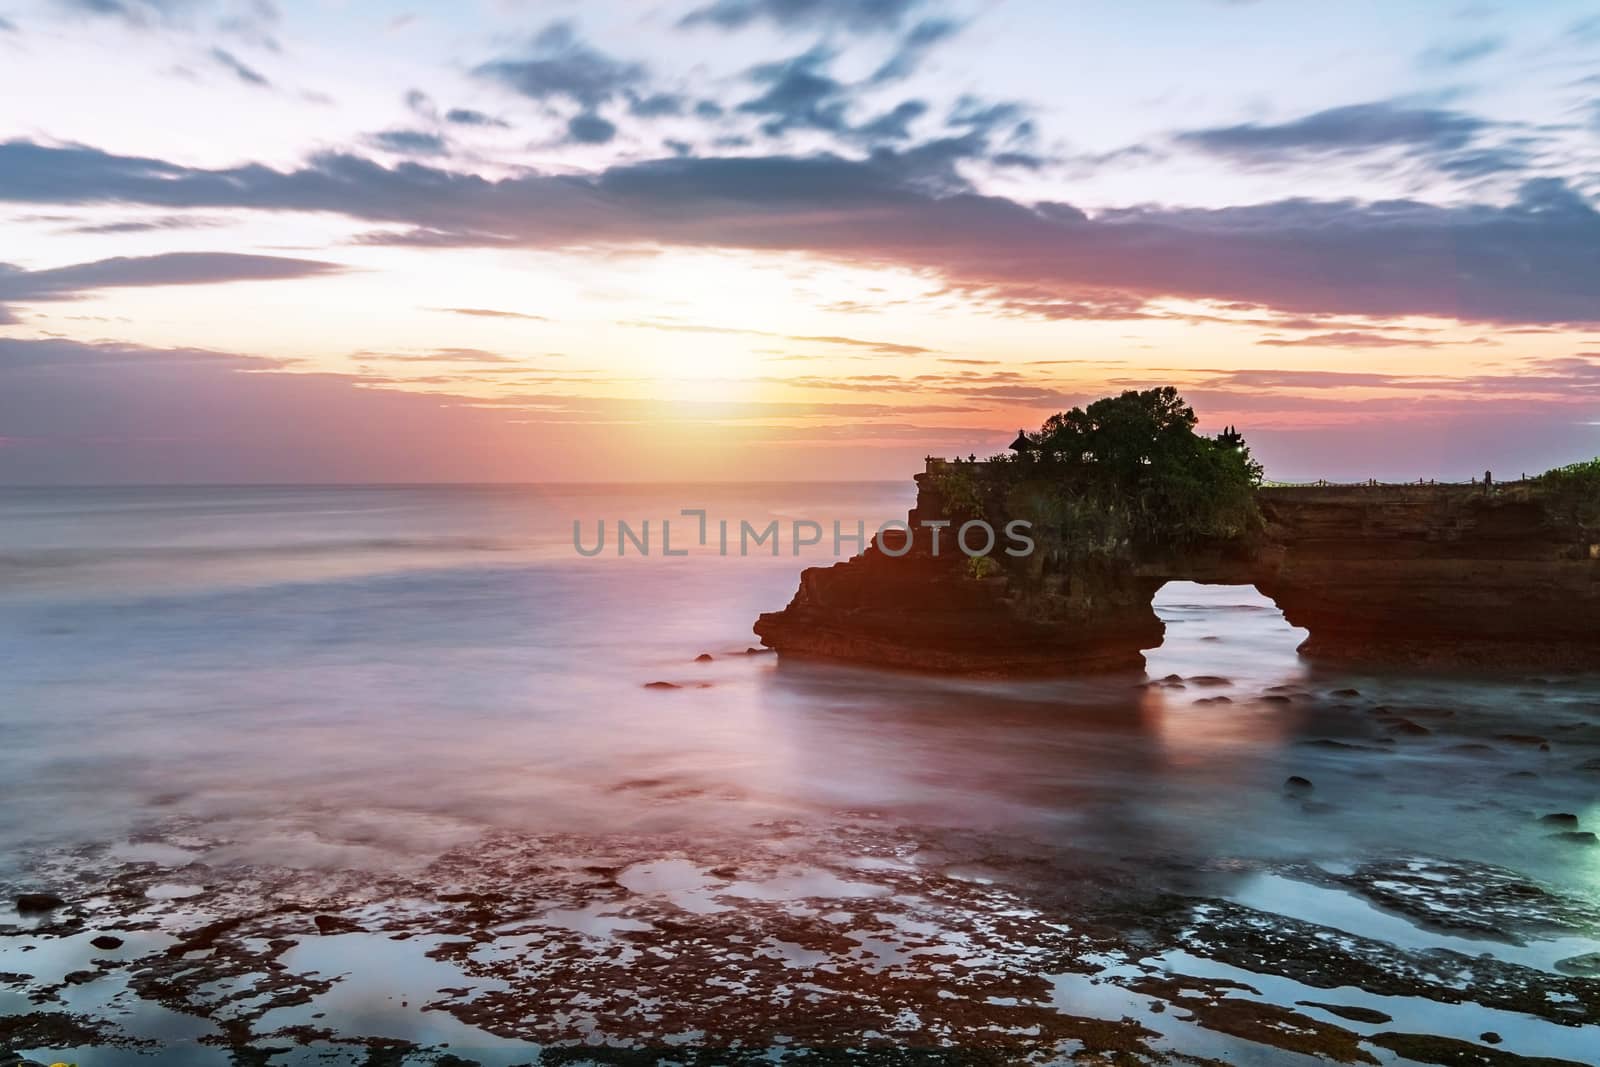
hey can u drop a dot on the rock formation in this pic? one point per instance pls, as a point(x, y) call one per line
point(1449, 574)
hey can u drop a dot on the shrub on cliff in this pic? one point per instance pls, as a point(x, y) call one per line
point(1127, 471)
point(1573, 492)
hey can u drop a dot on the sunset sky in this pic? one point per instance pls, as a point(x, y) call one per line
point(629, 240)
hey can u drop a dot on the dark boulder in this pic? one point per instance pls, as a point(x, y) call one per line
point(335, 924)
point(37, 903)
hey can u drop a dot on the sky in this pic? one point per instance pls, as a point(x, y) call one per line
point(664, 240)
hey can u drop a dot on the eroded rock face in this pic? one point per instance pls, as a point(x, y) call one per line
point(927, 613)
point(1443, 574)
point(1446, 574)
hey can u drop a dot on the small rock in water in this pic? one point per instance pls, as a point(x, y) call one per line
point(334, 924)
point(1210, 679)
point(1346, 692)
point(1561, 818)
point(1214, 700)
point(1407, 728)
point(1342, 746)
point(34, 903)
point(1296, 784)
point(1522, 774)
point(1584, 966)
point(704, 657)
point(1350, 1011)
point(107, 942)
point(662, 685)
point(758, 651)
point(1575, 837)
point(1489, 1037)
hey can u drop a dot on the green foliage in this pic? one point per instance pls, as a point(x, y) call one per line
point(1573, 492)
point(1126, 473)
point(960, 488)
point(1136, 459)
point(980, 567)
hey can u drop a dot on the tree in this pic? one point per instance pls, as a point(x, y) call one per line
point(1138, 454)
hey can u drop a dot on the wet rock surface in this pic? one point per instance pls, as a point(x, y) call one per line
point(799, 943)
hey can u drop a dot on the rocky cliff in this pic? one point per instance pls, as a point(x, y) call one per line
point(1450, 573)
point(1445, 574)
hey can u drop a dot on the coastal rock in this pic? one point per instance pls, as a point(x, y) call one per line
point(704, 657)
point(662, 685)
point(1563, 819)
point(335, 924)
point(1417, 574)
point(1350, 1011)
point(38, 903)
point(1584, 966)
point(106, 942)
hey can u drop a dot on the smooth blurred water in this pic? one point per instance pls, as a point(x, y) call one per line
point(351, 677)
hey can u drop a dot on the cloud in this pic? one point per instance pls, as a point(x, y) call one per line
point(1585, 31)
point(173, 268)
point(799, 95)
point(914, 48)
point(411, 142)
point(560, 66)
point(1341, 130)
point(118, 413)
point(1534, 260)
point(656, 105)
point(249, 75)
point(440, 355)
point(860, 15)
point(894, 125)
point(154, 225)
point(1565, 380)
point(490, 313)
point(1462, 53)
point(7, 26)
point(887, 348)
point(134, 12)
point(588, 128)
point(254, 22)
point(463, 116)
point(987, 116)
point(1355, 339)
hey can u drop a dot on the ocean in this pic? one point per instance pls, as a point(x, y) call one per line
point(341, 691)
